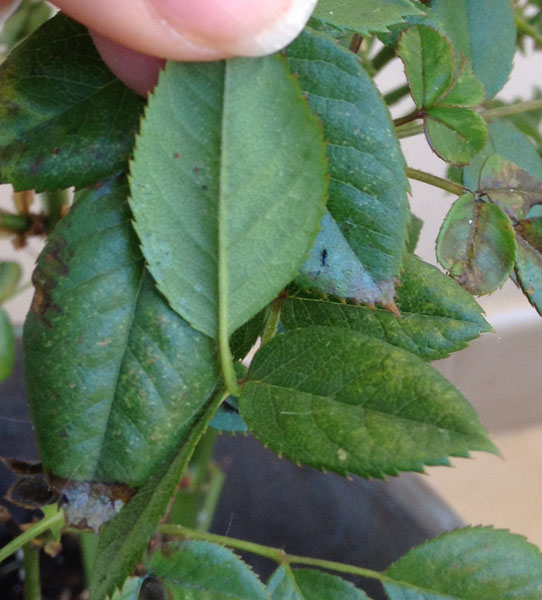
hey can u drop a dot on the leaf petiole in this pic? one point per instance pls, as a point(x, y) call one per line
point(434, 180)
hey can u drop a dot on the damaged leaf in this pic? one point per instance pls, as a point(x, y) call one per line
point(529, 260)
point(512, 188)
point(476, 245)
point(113, 374)
point(225, 223)
point(359, 252)
point(344, 402)
point(66, 119)
point(437, 315)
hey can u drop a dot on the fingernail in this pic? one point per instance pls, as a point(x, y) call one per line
point(244, 27)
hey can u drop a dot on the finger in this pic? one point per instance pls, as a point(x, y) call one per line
point(194, 29)
point(138, 71)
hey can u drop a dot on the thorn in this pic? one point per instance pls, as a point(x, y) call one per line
point(393, 308)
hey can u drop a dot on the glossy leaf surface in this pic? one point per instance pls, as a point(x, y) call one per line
point(437, 315)
point(204, 571)
point(66, 119)
point(124, 539)
point(529, 260)
point(348, 403)
point(360, 250)
point(364, 16)
point(7, 346)
point(129, 385)
point(10, 275)
point(476, 244)
point(473, 26)
point(228, 187)
point(513, 189)
point(469, 564)
point(506, 140)
point(306, 584)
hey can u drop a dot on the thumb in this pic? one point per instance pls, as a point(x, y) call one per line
point(194, 29)
point(6, 9)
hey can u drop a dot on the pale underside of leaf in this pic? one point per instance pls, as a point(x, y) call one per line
point(228, 187)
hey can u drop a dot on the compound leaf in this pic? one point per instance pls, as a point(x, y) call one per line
point(66, 119)
point(131, 384)
point(124, 539)
point(509, 186)
point(201, 571)
point(468, 564)
point(338, 400)
point(437, 315)
point(364, 16)
point(228, 187)
point(306, 584)
point(473, 25)
point(476, 244)
point(529, 260)
point(360, 250)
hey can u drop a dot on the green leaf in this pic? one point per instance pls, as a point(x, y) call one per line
point(227, 417)
point(476, 244)
point(113, 374)
point(306, 584)
point(484, 32)
point(429, 64)
point(130, 589)
point(455, 133)
point(437, 315)
point(124, 539)
point(414, 229)
point(529, 260)
point(364, 16)
point(442, 88)
point(506, 140)
point(10, 275)
point(7, 346)
point(228, 187)
point(513, 189)
point(360, 249)
point(338, 400)
point(30, 15)
point(468, 564)
point(247, 335)
point(66, 119)
point(204, 571)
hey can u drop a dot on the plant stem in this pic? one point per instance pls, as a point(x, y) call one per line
point(511, 109)
point(443, 184)
point(355, 43)
point(523, 27)
point(383, 57)
point(15, 223)
point(56, 520)
point(276, 554)
point(54, 203)
point(412, 116)
point(396, 94)
point(212, 496)
point(31, 563)
point(273, 320)
point(409, 130)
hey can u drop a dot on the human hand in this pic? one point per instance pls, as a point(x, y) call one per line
point(135, 36)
